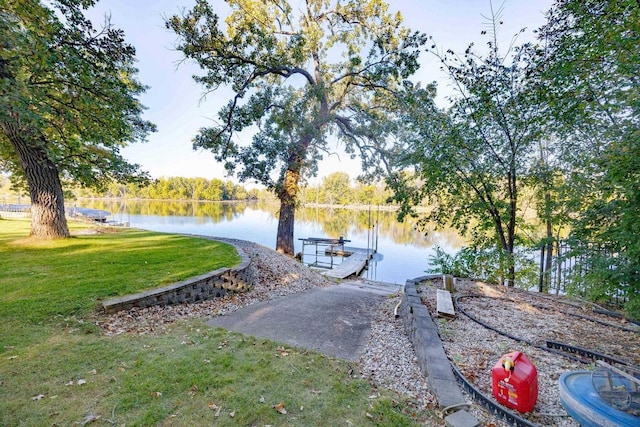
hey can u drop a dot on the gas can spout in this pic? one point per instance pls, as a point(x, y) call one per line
point(508, 364)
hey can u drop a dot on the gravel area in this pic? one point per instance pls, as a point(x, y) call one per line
point(389, 360)
point(535, 318)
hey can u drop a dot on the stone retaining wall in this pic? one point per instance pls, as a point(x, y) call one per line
point(432, 360)
point(210, 285)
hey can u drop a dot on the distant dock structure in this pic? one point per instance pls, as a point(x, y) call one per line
point(354, 260)
point(97, 215)
point(14, 210)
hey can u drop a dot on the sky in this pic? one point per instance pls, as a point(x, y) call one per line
point(175, 102)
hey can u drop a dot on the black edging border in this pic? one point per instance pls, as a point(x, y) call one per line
point(461, 381)
point(557, 348)
point(489, 404)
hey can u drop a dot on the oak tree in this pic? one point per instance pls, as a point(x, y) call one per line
point(302, 75)
point(68, 103)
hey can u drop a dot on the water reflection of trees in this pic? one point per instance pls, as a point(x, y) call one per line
point(337, 222)
point(207, 211)
point(334, 222)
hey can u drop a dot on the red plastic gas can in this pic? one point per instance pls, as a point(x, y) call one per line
point(515, 382)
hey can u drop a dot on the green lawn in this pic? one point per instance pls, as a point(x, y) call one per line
point(57, 369)
point(45, 282)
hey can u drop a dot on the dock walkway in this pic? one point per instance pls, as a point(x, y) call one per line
point(351, 265)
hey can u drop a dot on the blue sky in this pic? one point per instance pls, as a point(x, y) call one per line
point(175, 102)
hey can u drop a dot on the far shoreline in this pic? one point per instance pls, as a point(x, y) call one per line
point(383, 208)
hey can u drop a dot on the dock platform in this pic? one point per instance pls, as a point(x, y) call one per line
point(354, 260)
point(352, 264)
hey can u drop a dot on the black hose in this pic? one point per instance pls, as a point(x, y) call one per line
point(553, 350)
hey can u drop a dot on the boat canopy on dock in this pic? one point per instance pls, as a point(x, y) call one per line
point(354, 260)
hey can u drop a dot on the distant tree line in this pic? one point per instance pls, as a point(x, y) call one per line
point(337, 189)
point(174, 188)
point(334, 189)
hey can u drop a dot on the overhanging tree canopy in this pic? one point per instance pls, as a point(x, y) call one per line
point(68, 104)
point(469, 160)
point(299, 75)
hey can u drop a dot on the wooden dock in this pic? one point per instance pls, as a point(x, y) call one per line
point(351, 265)
point(87, 214)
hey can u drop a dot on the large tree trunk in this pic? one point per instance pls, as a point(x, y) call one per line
point(48, 219)
point(288, 196)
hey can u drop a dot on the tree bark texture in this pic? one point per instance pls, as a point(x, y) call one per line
point(288, 197)
point(48, 219)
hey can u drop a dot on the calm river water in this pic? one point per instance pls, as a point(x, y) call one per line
point(403, 251)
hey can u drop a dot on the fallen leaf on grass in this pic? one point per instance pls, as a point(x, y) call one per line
point(157, 394)
point(223, 344)
point(232, 414)
point(38, 397)
point(262, 400)
point(212, 405)
point(89, 419)
point(284, 352)
point(280, 408)
point(12, 357)
point(81, 382)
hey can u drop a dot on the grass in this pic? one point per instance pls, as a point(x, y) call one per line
point(57, 369)
point(45, 282)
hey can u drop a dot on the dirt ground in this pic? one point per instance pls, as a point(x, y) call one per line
point(535, 319)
